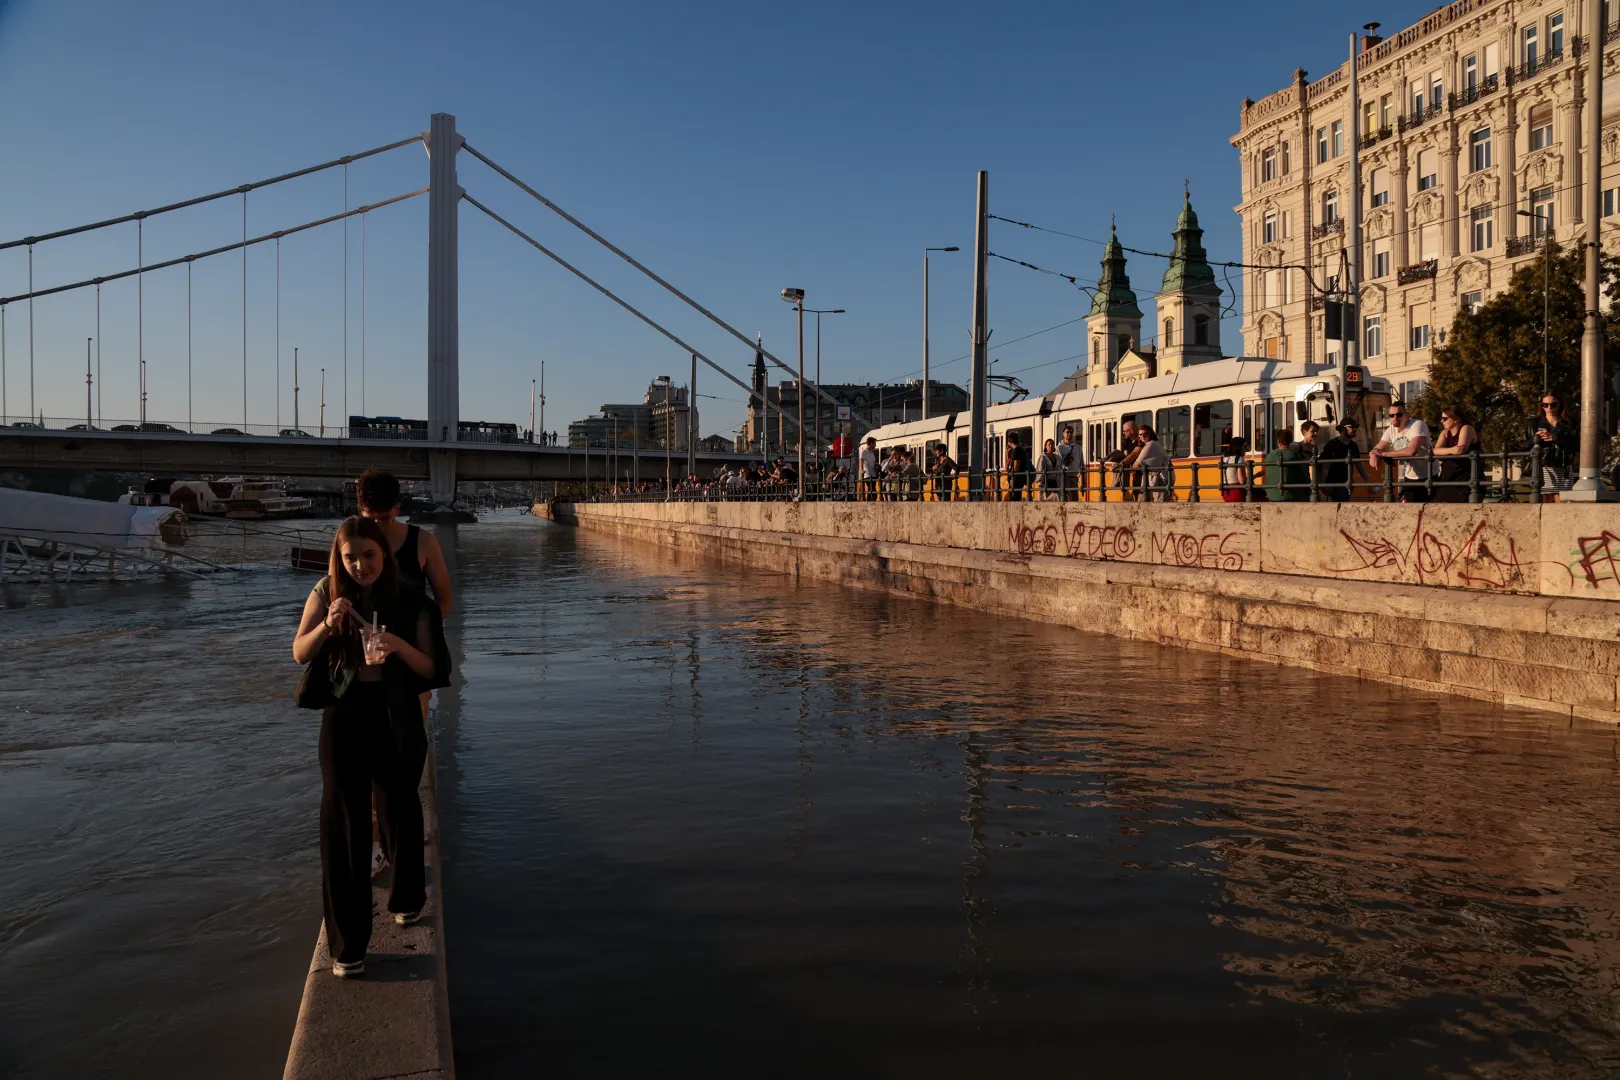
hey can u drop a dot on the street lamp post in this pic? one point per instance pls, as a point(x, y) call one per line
point(796, 298)
point(926, 250)
point(818, 313)
point(1546, 293)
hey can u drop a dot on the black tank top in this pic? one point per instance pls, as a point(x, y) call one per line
point(409, 559)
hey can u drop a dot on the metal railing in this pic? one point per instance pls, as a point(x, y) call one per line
point(1506, 476)
point(1524, 245)
point(1418, 271)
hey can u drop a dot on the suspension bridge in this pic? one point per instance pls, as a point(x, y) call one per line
point(446, 454)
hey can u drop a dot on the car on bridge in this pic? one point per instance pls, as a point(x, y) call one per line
point(295, 433)
point(83, 427)
point(227, 431)
point(162, 429)
point(28, 425)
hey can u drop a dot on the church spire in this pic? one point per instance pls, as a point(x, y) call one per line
point(1189, 269)
point(1114, 295)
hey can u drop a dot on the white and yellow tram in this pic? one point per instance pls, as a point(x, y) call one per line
point(1195, 412)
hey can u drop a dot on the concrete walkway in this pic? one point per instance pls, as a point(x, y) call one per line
point(393, 1022)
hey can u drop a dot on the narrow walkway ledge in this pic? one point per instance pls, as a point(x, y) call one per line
point(393, 1022)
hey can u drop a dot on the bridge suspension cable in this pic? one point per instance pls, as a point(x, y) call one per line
point(4, 300)
point(239, 189)
point(627, 257)
point(572, 269)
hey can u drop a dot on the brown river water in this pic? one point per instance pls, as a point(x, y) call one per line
point(699, 820)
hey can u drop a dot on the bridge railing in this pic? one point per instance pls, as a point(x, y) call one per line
point(305, 430)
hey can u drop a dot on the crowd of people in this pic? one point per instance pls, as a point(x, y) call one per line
point(1286, 467)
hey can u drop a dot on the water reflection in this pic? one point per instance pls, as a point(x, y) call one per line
point(702, 819)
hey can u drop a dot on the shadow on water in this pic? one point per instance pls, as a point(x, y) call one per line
point(700, 820)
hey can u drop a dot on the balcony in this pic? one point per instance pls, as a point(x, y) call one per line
point(1419, 117)
point(1318, 303)
point(1524, 245)
point(1531, 68)
point(1484, 88)
point(1373, 138)
point(1327, 228)
point(1422, 271)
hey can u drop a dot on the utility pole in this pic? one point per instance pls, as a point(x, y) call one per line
point(1349, 351)
point(926, 250)
point(1590, 487)
point(542, 398)
point(692, 421)
point(534, 396)
point(669, 429)
point(323, 404)
point(143, 393)
point(88, 407)
point(981, 340)
point(295, 390)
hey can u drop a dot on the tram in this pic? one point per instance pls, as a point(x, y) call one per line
point(1194, 411)
point(395, 427)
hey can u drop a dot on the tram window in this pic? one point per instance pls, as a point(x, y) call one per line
point(1174, 429)
point(1026, 439)
point(992, 448)
point(1278, 422)
point(962, 450)
point(1212, 428)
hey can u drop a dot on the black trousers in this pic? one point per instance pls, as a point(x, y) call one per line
point(357, 751)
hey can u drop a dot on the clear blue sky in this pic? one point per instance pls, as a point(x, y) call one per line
point(735, 148)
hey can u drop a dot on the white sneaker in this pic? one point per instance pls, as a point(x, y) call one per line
point(348, 971)
point(406, 918)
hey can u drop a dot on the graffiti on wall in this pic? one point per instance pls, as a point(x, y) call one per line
point(1118, 543)
point(1595, 558)
point(1474, 556)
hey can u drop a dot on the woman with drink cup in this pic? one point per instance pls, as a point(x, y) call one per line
point(365, 678)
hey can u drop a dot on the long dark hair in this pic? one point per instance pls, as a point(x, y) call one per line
point(344, 646)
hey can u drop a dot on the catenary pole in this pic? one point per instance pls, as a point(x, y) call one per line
point(1351, 313)
point(1589, 487)
point(981, 340)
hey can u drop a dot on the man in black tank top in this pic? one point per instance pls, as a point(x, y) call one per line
point(417, 553)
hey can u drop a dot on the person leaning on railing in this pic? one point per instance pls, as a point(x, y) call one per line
point(1283, 473)
point(1559, 438)
point(1457, 446)
point(1335, 461)
point(1234, 469)
point(1049, 472)
point(1406, 439)
point(943, 471)
point(1153, 462)
point(1073, 459)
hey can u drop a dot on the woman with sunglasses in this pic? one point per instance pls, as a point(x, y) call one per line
point(1560, 441)
point(1456, 448)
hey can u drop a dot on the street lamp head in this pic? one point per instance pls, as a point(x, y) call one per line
point(952, 248)
point(793, 296)
point(836, 311)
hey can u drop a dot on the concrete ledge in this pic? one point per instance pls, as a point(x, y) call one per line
point(1539, 651)
point(394, 1021)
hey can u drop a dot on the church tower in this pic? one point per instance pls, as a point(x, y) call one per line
point(1115, 323)
point(1189, 301)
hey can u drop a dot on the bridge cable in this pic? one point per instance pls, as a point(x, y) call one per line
point(244, 313)
point(560, 261)
point(278, 332)
point(98, 355)
point(363, 315)
point(191, 420)
point(137, 215)
point(140, 315)
point(5, 418)
point(210, 252)
point(621, 253)
point(30, 331)
point(346, 290)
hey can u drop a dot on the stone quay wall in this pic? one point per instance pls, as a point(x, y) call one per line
point(1510, 603)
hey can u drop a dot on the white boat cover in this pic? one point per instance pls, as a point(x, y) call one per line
point(38, 516)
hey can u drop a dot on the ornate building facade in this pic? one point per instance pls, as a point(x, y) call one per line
point(1471, 159)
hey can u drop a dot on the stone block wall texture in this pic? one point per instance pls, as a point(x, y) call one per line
point(1510, 603)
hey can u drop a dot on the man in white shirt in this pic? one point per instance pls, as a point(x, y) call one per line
point(1073, 460)
point(1406, 438)
point(869, 469)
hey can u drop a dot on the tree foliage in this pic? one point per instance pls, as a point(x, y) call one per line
point(1490, 365)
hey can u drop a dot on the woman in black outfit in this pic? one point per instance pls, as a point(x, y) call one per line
point(1456, 449)
point(371, 729)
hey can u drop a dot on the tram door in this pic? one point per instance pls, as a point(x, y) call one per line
point(1256, 423)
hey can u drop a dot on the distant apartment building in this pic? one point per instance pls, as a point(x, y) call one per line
point(1471, 149)
point(873, 403)
point(660, 415)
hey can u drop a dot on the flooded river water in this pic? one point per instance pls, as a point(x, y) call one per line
point(700, 820)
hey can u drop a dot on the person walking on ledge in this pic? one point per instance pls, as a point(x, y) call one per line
point(366, 684)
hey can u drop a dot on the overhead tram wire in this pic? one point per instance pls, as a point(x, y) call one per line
point(566, 265)
point(627, 257)
point(213, 251)
point(1003, 345)
point(239, 189)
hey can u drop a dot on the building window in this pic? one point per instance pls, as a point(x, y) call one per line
point(1420, 335)
point(1530, 48)
point(1480, 221)
point(1321, 145)
point(1428, 170)
point(1541, 210)
point(1472, 302)
point(1428, 242)
point(1379, 187)
point(1268, 164)
point(1417, 100)
point(1380, 262)
point(1268, 229)
point(1479, 150)
point(1611, 201)
point(1169, 333)
point(1338, 137)
point(1411, 389)
point(1437, 96)
point(1541, 126)
point(1096, 352)
point(1330, 207)
point(1386, 112)
point(1373, 336)
point(1555, 34)
point(1470, 74)
point(1200, 329)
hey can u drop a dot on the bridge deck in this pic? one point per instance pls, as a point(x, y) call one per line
point(175, 454)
